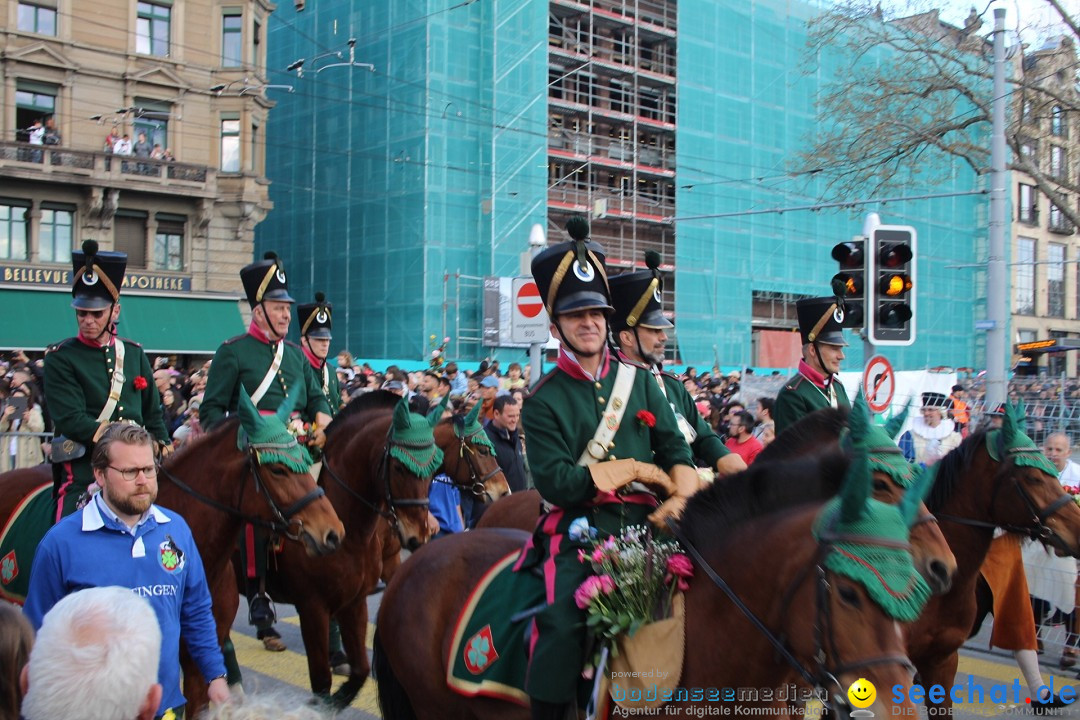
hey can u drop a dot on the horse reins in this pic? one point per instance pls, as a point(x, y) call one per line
point(478, 485)
point(1040, 530)
point(283, 518)
point(824, 676)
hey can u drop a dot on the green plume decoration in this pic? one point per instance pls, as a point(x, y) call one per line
point(856, 487)
point(894, 424)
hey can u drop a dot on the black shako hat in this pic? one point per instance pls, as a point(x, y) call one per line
point(315, 320)
point(819, 321)
point(265, 280)
point(96, 277)
point(637, 298)
point(571, 276)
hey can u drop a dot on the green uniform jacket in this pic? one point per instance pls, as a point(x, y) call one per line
point(244, 360)
point(799, 397)
point(707, 446)
point(332, 391)
point(77, 382)
point(561, 415)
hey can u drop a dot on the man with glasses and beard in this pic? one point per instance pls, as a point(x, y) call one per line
point(96, 377)
point(122, 538)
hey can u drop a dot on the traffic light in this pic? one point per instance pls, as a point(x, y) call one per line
point(891, 295)
point(850, 282)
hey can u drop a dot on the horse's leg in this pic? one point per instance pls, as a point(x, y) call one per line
point(315, 629)
point(353, 618)
point(940, 671)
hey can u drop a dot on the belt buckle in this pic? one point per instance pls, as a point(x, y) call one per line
point(596, 449)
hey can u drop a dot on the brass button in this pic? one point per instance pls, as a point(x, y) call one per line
point(120, 408)
point(598, 386)
point(600, 400)
point(611, 445)
point(610, 457)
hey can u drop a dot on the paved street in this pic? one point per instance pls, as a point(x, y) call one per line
point(288, 670)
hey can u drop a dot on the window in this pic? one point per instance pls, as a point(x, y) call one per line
point(1058, 125)
point(33, 101)
point(13, 223)
point(55, 234)
point(1058, 221)
point(1029, 149)
point(169, 242)
point(230, 145)
point(37, 19)
point(129, 235)
point(1059, 165)
point(1025, 276)
point(232, 46)
point(1028, 209)
point(152, 29)
point(1055, 280)
point(153, 119)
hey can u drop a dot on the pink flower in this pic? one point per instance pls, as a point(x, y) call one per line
point(680, 569)
point(581, 556)
point(587, 592)
point(646, 418)
point(607, 584)
point(598, 555)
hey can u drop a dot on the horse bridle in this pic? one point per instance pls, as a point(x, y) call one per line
point(392, 503)
point(283, 520)
point(1039, 530)
point(477, 484)
point(823, 677)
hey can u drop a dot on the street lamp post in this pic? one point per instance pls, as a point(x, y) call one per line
point(298, 66)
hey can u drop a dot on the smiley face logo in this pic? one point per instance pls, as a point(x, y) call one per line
point(862, 693)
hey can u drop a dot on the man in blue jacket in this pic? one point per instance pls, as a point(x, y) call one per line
point(122, 538)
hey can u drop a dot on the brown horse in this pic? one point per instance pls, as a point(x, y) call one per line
point(974, 494)
point(216, 487)
point(384, 506)
point(831, 629)
point(816, 434)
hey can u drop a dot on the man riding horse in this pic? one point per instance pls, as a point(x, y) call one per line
point(815, 385)
point(96, 377)
point(269, 368)
point(640, 330)
point(595, 428)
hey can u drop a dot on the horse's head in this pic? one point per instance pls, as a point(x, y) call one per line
point(468, 456)
point(410, 460)
point(896, 480)
point(282, 472)
point(1026, 496)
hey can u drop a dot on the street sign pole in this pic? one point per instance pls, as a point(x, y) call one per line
point(537, 243)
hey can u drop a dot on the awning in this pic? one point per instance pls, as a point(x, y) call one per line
point(35, 319)
point(1052, 345)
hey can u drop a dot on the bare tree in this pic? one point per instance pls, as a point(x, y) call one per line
point(917, 95)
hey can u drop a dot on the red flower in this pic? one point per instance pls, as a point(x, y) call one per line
point(140, 383)
point(646, 418)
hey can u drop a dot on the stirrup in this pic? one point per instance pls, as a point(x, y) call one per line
point(261, 610)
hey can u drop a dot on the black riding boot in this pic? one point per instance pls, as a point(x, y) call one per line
point(553, 711)
point(260, 610)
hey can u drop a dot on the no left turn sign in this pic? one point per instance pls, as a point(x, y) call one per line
point(879, 383)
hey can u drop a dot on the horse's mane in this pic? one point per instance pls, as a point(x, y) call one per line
point(951, 468)
point(763, 489)
point(374, 400)
point(807, 435)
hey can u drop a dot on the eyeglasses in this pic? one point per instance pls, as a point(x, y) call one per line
point(131, 474)
point(90, 313)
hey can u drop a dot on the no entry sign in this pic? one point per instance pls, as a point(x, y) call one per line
point(528, 321)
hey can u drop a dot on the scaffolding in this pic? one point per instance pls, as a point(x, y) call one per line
point(611, 127)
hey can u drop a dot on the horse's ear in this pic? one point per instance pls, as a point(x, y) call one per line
point(917, 493)
point(1020, 411)
point(402, 421)
point(436, 415)
point(856, 488)
point(1009, 426)
point(249, 414)
point(895, 424)
point(473, 414)
point(287, 405)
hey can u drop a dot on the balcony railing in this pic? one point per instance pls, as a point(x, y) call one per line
point(100, 165)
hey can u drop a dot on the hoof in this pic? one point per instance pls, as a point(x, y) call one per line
point(274, 644)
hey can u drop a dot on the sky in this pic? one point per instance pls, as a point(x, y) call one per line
point(1036, 18)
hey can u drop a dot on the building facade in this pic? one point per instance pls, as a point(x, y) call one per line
point(185, 78)
point(1045, 247)
point(672, 125)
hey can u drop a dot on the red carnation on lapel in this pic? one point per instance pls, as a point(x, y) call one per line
point(646, 418)
point(140, 383)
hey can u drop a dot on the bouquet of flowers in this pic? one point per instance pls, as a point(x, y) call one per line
point(1074, 491)
point(635, 581)
point(438, 354)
